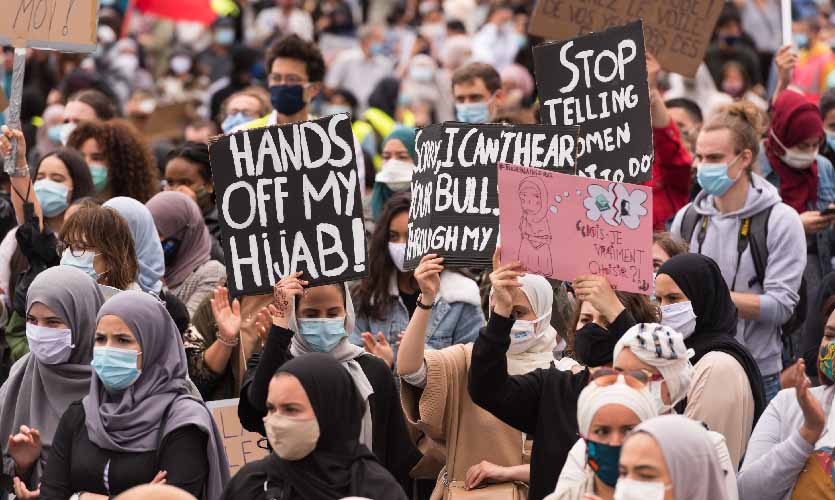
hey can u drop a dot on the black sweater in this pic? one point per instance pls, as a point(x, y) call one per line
point(75, 464)
point(390, 439)
point(542, 403)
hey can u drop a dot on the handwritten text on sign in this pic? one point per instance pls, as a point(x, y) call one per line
point(65, 25)
point(676, 32)
point(454, 210)
point(563, 226)
point(599, 82)
point(289, 200)
point(241, 445)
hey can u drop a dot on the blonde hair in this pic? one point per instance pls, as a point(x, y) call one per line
point(746, 123)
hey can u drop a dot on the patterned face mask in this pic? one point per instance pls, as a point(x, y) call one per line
point(825, 359)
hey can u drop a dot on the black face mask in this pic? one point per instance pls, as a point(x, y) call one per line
point(170, 249)
point(594, 345)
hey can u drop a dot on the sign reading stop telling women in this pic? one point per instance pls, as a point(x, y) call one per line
point(289, 200)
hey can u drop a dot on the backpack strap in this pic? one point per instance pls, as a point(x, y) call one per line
point(759, 244)
point(688, 223)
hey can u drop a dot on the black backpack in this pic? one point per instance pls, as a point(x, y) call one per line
point(753, 232)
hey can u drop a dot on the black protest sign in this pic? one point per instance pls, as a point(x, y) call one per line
point(289, 200)
point(599, 82)
point(455, 202)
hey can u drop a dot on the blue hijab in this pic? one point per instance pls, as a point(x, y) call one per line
point(145, 239)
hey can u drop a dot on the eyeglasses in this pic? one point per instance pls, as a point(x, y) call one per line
point(77, 250)
point(291, 79)
point(636, 379)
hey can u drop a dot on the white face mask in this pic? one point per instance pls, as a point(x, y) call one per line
point(397, 252)
point(795, 158)
point(631, 489)
point(523, 334)
point(655, 390)
point(51, 346)
point(680, 317)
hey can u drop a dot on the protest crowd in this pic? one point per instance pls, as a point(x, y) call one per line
point(417, 249)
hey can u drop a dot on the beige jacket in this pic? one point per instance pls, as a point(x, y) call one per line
point(444, 413)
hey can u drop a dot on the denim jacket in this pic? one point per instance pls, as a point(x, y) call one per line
point(456, 317)
point(824, 241)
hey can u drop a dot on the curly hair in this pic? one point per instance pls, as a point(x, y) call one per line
point(296, 48)
point(371, 295)
point(132, 170)
point(108, 233)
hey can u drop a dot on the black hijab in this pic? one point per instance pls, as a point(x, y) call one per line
point(701, 280)
point(339, 466)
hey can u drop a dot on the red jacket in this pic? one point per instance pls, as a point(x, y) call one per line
point(670, 175)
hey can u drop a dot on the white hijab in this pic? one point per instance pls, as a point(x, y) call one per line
point(346, 353)
point(540, 353)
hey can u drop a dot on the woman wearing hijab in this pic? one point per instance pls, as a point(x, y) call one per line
point(660, 352)
point(672, 458)
point(314, 422)
point(190, 273)
point(149, 254)
point(790, 452)
point(609, 407)
point(395, 175)
point(61, 322)
point(137, 424)
point(433, 383)
point(726, 392)
point(306, 320)
point(387, 298)
point(814, 326)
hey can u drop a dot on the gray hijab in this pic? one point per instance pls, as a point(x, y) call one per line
point(132, 420)
point(346, 353)
point(690, 456)
point(37, 394)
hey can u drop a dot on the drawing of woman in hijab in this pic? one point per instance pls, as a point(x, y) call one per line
point(535, 249)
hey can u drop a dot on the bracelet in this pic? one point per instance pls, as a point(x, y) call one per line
point(422, 305)
point(229, 343)
point(20, 171)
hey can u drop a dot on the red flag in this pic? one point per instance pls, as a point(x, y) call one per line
point(179, 10)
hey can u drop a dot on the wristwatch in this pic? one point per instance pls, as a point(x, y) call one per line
point(422, 305)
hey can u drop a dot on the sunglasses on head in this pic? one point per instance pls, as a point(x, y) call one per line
point(636, 379)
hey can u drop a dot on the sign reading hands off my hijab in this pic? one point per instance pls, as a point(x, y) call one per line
point(289, 200)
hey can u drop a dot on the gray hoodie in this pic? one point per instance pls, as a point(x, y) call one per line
point(784, 270)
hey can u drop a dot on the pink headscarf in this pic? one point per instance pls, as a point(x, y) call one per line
point(178, 216)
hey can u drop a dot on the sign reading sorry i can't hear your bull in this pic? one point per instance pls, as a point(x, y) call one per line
point(289, 200)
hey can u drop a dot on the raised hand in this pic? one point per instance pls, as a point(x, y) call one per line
point(228, 318)
point(379, 347)
point(25, 448)
point(597, 291)
point(22, 492)
point(264, 320)
point(504, 279)
point(6, 136)
point(284, 295)
point(814, 419)
point(428, 276)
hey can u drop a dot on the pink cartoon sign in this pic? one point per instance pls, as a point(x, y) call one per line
point(562, 226)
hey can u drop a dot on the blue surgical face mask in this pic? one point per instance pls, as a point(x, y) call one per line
point(287, 99)
point(99, 174)
point(714, 179)
point(801, 40)
point(83, 262)
point(52, 196)
point(116, 367)
point(377, 49)
point(322, 334)
point(234, 121)
point(830, 140)
point(603, 460)
point(423, 74)
point(59, 134)
point(473, 112)
point(225, 36)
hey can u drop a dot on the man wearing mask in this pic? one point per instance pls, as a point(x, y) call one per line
point(360, 69)
point(477, 89)
point(295, 70)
